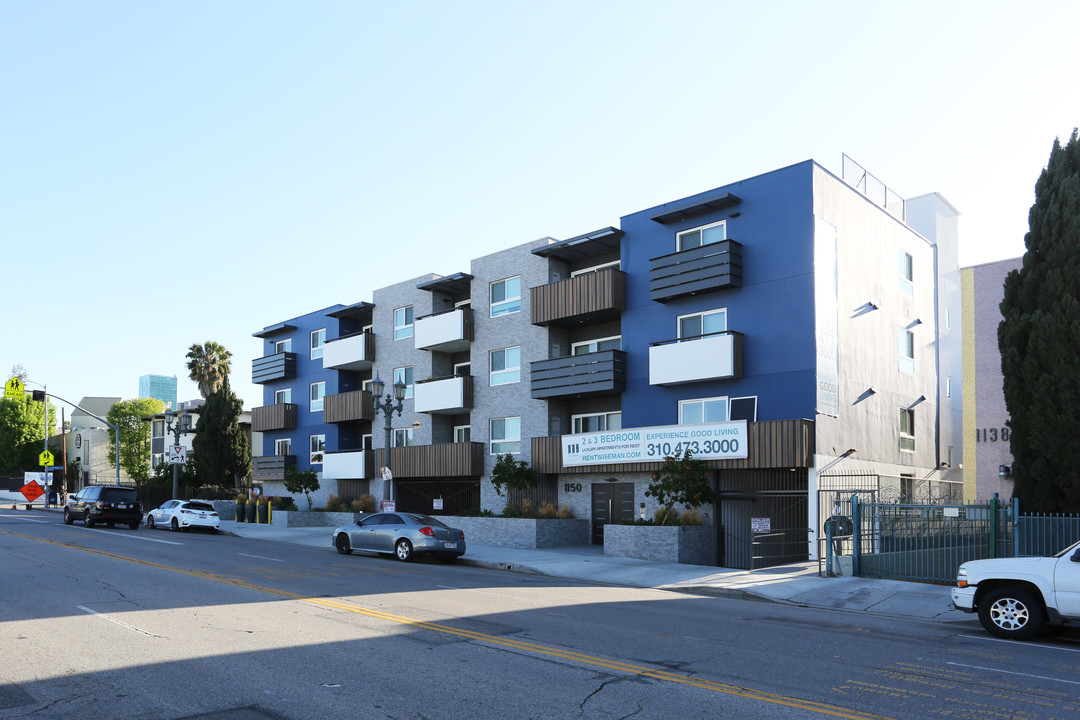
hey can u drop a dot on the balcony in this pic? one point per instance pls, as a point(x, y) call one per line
point(354, 406)
point(350, 352)
point(582, 300)
point(279, 366)
point(449, 331)
point(437, 461)
point(271, 468)
point(349, 465)
point(716, 266)
point(579, 376)
point(281, 416)
point(716, 356)
point(444, 396)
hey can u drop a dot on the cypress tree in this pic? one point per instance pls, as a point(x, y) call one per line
point(222, 451)
point(1039, 339)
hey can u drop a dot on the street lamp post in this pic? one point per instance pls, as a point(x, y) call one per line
point(387, 408)
point(177, 426)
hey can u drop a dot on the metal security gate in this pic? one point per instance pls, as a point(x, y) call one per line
point(458, 496)
point(611, 503)
point(762, 517)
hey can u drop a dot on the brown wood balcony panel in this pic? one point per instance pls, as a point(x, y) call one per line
point(281, 416)
point(354, 406)
point(581, 300)
point(444, 460)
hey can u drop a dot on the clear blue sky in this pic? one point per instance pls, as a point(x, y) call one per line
point(175, 172)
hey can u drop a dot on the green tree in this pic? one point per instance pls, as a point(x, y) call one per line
point(222, 451)
point(127, 415)
point(512, 474)
point(301, 481)
point(208, 366)
point(1039, 336)
point(683, 481)
point(22, 424)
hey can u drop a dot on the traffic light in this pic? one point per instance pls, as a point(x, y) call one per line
point(38, 395)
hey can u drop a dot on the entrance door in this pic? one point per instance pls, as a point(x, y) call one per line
point(611, 502)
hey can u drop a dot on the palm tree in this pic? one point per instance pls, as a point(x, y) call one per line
point(208, 366)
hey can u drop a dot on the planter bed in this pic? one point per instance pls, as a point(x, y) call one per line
point(686, 544)
point(525, 533)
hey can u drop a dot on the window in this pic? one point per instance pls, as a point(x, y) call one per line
point(505, 435)
point(159, 428)
point(948, 318)
point(462, 369)
point(318, 392)
point(318, 446)
point(907, 487)
point(744, 408)
point(596, 268)
point(907, 429)
point(318, 339)
point(402, 437)
point(591, 346)
point(462, 433)
point(702, 323)
point(704, 235)
point(907, 350)
point(506, 296)
point(366, 385)
point(403, 322)
point(703, 410)
point(283, 447)
point(283, 346)
point(948, 456)
point(283, 396)
point(906, 274)
point(506, 366)
point(365, 442)
point(948, 387)
point(404, 375)
point(597, 422)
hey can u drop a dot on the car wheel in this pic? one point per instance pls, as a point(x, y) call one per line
point(150, 521)
point(341, 542)
point(88, 520)
point(67, 517)
point(175, 525)
point(1011, 613)
point(403, 550)
point(135, 525)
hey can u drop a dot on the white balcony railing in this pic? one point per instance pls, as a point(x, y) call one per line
point(355, 352)
point(446, 332)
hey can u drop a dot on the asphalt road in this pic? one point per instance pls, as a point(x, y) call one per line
point(115, 623)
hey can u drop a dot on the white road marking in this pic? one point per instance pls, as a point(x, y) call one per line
point(260, 557)
point(113, 620)
point(987, 638)
point(131, 536)
point(1008, 672)
point(24, 518)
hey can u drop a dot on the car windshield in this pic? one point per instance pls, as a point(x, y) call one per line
point(427, 520)
point(117, 495)
point(199, 506)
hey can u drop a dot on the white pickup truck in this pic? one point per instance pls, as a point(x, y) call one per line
point(1017, 597)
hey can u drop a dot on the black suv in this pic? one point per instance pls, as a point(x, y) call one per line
point(104, 504)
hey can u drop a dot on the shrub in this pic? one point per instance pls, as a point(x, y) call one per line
point(364, 504)
point(282, 503)
point(512, 474)
point(547, 511)
point(681, 481)
point(305, 481)
point(564, 512)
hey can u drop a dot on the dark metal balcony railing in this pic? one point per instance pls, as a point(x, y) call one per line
point(582, 300)
point(353, 406)
point(271, 468)
point(281, 416)
point(589, 375)
point(716, 266)
point(279, 366)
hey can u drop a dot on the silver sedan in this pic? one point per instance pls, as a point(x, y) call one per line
point(401, 534)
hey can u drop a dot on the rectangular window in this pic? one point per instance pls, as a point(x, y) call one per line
point(948, 387)
point(703, 410)
point(462, 369)
point(283, 346)
point(597, 422)
point(907, 274)
point(907, 429)
point(157, 459)
point(402, 437)
point(283, 396)
point(159, 428)
point(744, 408)
point(318, 447)
point(318, 392)
point(506, 296)
point(591, 346)
point(318, 339)
point(283, 447)
point(596, 268)
point(366, 384)
point(702, 323)
point(505, 435)
point(403, 322)
point(907, 350)
point(907, 487)
point(704, 235)
point(948, 318)
point(462, 433)
point(404, 375)
point(365, 442)
point(506, 366)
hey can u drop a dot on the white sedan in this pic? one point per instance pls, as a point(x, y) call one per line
point(184, 515)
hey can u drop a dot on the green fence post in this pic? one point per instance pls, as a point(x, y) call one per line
point(995, 518)
point(856, 536)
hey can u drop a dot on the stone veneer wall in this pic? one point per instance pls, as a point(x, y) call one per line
point(521, 532)
point(687, 544)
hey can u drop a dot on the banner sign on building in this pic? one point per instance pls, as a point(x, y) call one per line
point(826, 312)
point(711, 441)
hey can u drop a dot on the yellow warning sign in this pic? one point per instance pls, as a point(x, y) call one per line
point(45, 458)
point(14, 389)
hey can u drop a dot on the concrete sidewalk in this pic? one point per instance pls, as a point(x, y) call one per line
point(798, 584)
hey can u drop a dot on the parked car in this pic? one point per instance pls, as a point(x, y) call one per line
point(401, 534)
point(184, 515)
point(109, 504)
point(1017, 597)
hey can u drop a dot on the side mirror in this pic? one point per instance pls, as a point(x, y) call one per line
point(1075, 556)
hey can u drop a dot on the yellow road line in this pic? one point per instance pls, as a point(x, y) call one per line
point(592, 660)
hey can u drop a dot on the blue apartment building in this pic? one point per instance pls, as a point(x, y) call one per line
point(812, 327)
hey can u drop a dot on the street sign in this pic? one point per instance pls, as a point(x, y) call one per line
point(55, 467)
point(46, 458)
point(13, 389)
point(177, 454)
point(31, 491)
